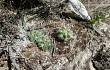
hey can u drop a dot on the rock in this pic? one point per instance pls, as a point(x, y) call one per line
point(59, 64)
point(91, 66)
point(76, 9)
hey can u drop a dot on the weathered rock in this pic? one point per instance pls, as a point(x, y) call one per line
point(76, 7)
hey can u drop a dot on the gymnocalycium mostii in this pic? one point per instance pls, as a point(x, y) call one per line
point(42, 40)
point(64, 33)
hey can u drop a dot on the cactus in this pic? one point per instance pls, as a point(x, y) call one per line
point(42, 40)
point(64, 34)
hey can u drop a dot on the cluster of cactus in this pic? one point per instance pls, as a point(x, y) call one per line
point(64, 33)
point(42, 40)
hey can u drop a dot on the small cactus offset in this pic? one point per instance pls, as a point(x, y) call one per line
point(42, 40)
point(64, 33)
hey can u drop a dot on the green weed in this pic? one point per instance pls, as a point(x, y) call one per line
point(1, 1)
point(98, 16)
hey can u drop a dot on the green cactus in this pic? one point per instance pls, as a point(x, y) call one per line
point(64, 34)
point(42, 40)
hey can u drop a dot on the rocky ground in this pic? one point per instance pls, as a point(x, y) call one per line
point(89, 49)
